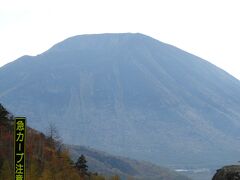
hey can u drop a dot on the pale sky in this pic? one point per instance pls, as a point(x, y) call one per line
point(209, 29)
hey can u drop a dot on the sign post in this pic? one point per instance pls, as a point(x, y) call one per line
point(19, 147)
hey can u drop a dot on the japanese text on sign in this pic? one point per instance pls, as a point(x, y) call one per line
point(19, 152)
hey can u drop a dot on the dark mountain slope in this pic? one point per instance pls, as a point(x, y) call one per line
point(107, 164)
point(131, 95)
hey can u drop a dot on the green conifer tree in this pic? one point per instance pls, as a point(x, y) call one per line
point(81, 166)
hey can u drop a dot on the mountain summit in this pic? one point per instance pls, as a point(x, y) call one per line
point(131, 95)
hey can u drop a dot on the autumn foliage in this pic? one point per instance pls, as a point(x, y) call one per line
point(46, 158)
point(43, 161)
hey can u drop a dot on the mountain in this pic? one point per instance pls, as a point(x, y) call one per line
point(107, 164)
point(130, 95)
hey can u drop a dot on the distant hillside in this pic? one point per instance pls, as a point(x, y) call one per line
point(104, 163)
point(131, 95)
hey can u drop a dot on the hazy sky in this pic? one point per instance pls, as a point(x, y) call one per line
point(207, 28)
